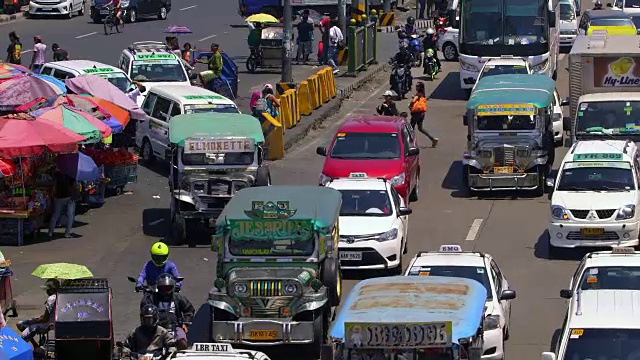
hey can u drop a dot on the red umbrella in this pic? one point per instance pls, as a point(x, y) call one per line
point(7, 168)
point(24, 135)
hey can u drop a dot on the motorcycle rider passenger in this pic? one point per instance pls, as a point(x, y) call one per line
point(410, 26)
point(149, 336)
point(174, 309)
point(403, 59)
point(388, 106)
point(31, 327)
point(597, 5)
point(430, 41)
point(156, 266)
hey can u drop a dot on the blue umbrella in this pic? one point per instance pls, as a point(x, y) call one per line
point(115, 125)
point(12, 347)
point(78, 166)
point(50, 79)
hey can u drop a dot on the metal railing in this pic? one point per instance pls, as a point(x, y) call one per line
point(362, 44)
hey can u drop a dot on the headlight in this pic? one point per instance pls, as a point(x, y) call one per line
point(468, 67)
point(540, 67)
point(523, 153)
point(559, 213)
point(389, 235)
point(397, 180)
point(240, 288)
point(492, 322)
point(290, 289)
point(324, 179)
point(626, 212)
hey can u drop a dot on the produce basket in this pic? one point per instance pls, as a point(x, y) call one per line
point(120, 175)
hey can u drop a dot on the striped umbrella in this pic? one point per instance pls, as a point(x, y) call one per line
point(8, 70)
point(115, 116)
point(77, 121)
point(173, 29)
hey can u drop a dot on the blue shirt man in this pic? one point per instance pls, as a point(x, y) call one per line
point(157, 266)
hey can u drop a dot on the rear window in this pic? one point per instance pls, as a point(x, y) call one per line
point(366, 146)
point(611, 278)
point(611, 22)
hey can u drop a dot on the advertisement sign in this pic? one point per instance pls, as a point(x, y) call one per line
point(505, 109)
point(616, 72)
point(398, 335)
point(218, 146)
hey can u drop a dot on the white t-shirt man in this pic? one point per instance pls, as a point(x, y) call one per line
point(335, 35)
point(38, 52)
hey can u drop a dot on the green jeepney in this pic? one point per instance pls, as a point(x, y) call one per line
point(278, 272)
point(510, 139)
point(212, 157)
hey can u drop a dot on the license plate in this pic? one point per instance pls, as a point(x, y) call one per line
point(104, 12)
point(263, 334)
point(503, 170)
point(592, 231)
point(47, 9)
point(350, 255)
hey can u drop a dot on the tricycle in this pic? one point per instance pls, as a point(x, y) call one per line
point(269, 53)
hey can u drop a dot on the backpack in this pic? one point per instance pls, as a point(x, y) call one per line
point(261, 105)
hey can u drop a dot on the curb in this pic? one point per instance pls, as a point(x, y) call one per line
point(329, 111)
point(19, 15)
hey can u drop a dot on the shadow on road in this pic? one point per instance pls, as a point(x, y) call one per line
point(364, 274)
point(541, 250)
point(453, 180)
point(160, 167)
point(449, 89)
point(155, 222)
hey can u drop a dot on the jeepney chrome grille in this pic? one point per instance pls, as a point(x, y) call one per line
point(504, 155)
point(265, 288)
point(265, 307)
point(605, 214)
point(580, 214)
point(607, 235)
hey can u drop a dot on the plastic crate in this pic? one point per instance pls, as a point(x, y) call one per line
point(120, 175)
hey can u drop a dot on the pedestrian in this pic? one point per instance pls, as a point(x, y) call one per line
point(37, 59)
point(388, 106)
point(135, 91)
point(305, 36)
point(59, 54)
point(214, 69)
point(186, 52)
point(405, 116)
point(320, 52)
point(422, 4)
point(254, 101)
point(418, 107)
point(14, 51)
point(267, 102)
point(65, 197)
point(325, 25)
point(335, 40)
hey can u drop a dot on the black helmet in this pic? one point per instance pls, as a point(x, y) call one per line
point(411, 21)
point(149, 316)
point(165, 284)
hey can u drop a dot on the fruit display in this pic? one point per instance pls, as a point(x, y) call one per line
point(111, 156)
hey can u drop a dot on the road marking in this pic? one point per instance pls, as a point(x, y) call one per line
point(85, 35)
point(473, 230)
point(188, 7)
point(208, 37)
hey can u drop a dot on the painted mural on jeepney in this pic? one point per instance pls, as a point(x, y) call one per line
point(294, 229)
point(398, 335)
point(410, 295)
point(506, 109)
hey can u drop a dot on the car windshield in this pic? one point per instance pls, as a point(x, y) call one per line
point(596, 176)
point(118, 79)
point(490, 70)
point(365, 203)
point(611, 22)
point(567, 12)
point(596, 344)
point(636, 21)
point(608, 117)
point(478, 274)
point(611, 278)
point(366, 146)
point(158, 71)
point(506, 122)
point(271, 237)
point(239, 158)
point(211, 108)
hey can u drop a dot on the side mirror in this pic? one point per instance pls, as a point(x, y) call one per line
point(548, 356)
point(465, 121)
point(508, 295)
point(566, 123)
point(609, 5)
point(550, 182)
point(321, 150)
point(260, 155)
point(404, 211)
point(413, 151)
point(565, 293)
point(565, 102)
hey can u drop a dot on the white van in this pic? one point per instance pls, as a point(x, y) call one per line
point(63, 70)
point(165, 101)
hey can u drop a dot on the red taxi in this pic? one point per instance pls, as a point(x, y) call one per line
point(374, 147)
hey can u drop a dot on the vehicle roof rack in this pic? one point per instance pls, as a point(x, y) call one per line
point(85, 286)
point(153, 46)
point(598, 39)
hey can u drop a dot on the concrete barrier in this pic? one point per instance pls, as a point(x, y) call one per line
point(314, 90)
point(289, 109)
point(273, 136)
point(304, 98)
point(281, 87)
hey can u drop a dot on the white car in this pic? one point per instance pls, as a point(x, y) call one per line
point(503, 66)
point(56, 7)
point(373, 225)
point(595, 195)
point(568, 22)
point(448, 43)
point(451, 261)
point(219, 351)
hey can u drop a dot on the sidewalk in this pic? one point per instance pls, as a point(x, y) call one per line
point(4, 18)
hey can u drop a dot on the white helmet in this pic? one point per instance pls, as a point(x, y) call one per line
point(430, 31)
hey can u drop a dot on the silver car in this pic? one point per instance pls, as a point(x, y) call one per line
point(448, 43)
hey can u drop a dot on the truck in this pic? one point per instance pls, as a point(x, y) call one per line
point(604, 87)
point(275, 7)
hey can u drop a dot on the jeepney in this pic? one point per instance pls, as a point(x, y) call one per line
point(278, 273)
point(212, 157)
point(510, 139)
point(409, 318)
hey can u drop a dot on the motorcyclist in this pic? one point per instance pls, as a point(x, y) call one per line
point(430, 41)
point(149, 337)
point(31, 327)
point(403, 58)
point(597, 5)
point(429, 56)
point(156, 266)
point(175, 310)
point(410, 26)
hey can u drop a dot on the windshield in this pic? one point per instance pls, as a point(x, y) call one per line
point(506, 122)
point(611, 22)
point(366, 146)
point(466, 272)
point(608, 118)
point(603, 176)
point(158, 71)
point(611, 278)
point(240, 158)
point(567, 12)
point(632, 3)
point(365, 203)
point(636, 21)
point(498, 27)
point(606, 344)
point(118, 79)
point(211, 108)
point(271, 237)
point(489, 70)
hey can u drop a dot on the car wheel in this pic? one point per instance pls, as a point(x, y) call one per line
point(450, 52)
point(96, 20)
point(133, 16)
point(162, 15)
point(416, 190)
point(147, 151)
point(540, 190)
point(81, 11)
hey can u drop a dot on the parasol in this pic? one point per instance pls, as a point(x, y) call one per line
point(24, 135)
point(53, 81)
point(114, 116)
point(103, 89)
point(8, 70)
point(76, 120)
point(262, 18)
point(173, 29)
point(78, 166)
point(25, 88)
point(62, 271)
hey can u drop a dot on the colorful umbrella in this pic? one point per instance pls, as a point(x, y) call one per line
point(113, 115)
point(53, 81)
point(25, 88)
point(24, 135)
point(173, 29)
point(78, 166)
point(262, 18)
point(103, 89)
point(62, 271)
point(7, 167)
point(77, 121)
point(8, 70)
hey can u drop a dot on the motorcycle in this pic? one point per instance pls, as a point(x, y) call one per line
point(441, 23)
point(415, 48)
point(399, 79)
point(152, 355)
point(151, 289)
point(430, 65)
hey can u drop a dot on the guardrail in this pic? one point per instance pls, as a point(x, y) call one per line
point(362, 44)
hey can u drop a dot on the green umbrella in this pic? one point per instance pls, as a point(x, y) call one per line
point(62, 271)
point(77, 121)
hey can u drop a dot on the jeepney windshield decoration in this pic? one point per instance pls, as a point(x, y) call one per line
point(505, 109)
point(510, 117)
point(398, 335)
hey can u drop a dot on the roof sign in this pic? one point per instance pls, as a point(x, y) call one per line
point(213, 347)
point(154, 56)
point(218, 146)
point(597, 156)
point(450, 248)
point(622, 250)
point(505, 109)
point(358, 175)
point(97, 70)
point(203, 97)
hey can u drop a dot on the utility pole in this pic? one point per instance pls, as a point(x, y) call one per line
point(386, 6)
point(342, 15)
point(287, 44)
